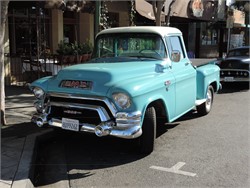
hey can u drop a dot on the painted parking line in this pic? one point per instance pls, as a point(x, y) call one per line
point(175, 169)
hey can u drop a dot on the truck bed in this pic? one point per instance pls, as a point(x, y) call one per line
point(200, 62)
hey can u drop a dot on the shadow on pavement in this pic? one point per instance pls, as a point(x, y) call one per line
point(65, 152)
point(19, 130)
point(234, 87)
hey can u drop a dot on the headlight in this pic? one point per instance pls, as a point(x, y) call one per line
point(122, 100)
point(38, 92)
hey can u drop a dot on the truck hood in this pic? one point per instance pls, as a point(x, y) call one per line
point(103, 76)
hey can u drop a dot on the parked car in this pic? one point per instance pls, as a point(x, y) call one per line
point(235, 66)
point(137, 75)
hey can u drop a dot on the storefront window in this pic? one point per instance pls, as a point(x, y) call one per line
point(70, 27)
point(28, 29)
point(209, 35)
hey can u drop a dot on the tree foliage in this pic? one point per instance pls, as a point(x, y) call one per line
point(66, 4)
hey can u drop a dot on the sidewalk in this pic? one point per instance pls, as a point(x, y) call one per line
point(18, 138)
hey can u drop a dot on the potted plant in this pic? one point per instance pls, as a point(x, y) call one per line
point(64, 51)
point(89, 48)
point(83, 52)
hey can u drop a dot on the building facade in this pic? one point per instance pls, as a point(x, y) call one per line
point(35, 29)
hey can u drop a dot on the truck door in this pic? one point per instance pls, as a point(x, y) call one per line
point(185, 77)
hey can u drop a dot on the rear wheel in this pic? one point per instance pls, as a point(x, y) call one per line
point(206, 107)
point(147, 138)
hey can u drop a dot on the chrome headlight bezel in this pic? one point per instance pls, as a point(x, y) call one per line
point(38, 92)
point(122, 100)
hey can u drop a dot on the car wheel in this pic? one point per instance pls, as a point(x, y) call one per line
point(206, 107)
point(147, 139)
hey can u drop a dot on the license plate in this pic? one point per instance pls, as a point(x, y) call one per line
point(70, 124)
point(229, 79)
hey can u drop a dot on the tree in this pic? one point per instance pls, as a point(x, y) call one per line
point(245, 7)
point(3, 17)
point(169, 11)
point(157, 9)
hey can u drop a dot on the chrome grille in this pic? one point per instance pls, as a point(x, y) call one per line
point(234, 73)
point(84, 109)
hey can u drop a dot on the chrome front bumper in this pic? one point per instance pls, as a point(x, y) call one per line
point(121, 124)
point(129, 128)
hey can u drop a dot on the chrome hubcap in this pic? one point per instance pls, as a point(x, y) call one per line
point(209, 99)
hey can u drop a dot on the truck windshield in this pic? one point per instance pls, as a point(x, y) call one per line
point(130, 45)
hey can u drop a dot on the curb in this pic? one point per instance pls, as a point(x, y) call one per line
point(24, 173)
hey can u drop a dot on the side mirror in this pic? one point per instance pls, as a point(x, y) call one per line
point(175, 56)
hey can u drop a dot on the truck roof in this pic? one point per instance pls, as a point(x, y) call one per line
point(163, 31)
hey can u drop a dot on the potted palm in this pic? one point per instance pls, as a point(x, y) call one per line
point(89, 48)
point(65, 52)
point(85, 50)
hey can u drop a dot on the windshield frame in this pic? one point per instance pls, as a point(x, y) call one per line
point(151, 40)
point(239, 52)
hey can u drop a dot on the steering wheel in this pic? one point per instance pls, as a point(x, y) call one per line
point(141, 51)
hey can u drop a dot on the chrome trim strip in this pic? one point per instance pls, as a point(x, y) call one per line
point(236, 79)
point(100, 110)
point(243, 70)
point(86, 97)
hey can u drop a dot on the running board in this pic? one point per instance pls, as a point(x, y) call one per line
point(199, 102)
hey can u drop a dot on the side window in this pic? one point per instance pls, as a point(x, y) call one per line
point(175, 44)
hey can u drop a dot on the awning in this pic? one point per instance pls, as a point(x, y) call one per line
point(146, 9)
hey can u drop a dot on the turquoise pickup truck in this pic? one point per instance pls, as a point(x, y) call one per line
point(136, 76)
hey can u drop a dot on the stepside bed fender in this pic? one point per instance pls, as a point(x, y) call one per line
point(207, 75)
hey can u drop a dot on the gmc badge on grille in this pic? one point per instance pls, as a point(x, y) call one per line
point(76, 84)
point(71, 112)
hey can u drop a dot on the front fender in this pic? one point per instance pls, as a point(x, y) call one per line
point(42, 83)
point(147, 89)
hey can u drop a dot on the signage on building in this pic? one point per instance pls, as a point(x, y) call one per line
point(197, 8)
point(236, 40)
point(239, 17)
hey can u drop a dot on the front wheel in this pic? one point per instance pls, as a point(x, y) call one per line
point(148, 136)
point(206, 107)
